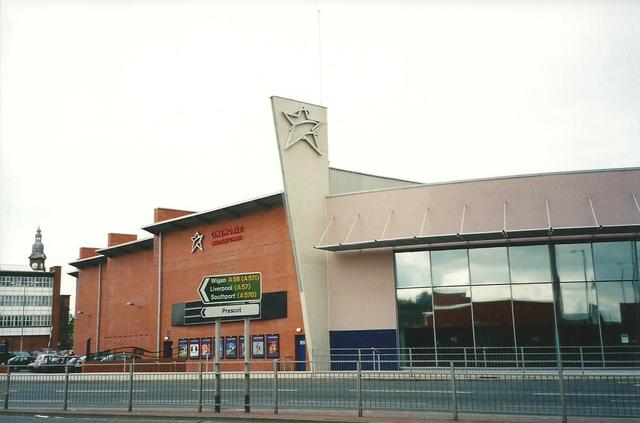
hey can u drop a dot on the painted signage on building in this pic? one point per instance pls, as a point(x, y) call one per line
point(227, 235)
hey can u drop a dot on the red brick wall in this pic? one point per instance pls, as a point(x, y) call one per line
point(55, 306)
point(86, 252)
point(129, 279)
point(116, 239)
point(265, 248)
point(160, 214)
point(86, 308)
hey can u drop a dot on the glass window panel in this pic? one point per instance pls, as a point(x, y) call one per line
point(450, 267)
point(533, 314)
point(413, 269)
point(574, 262)
point(453, 317)
point(614, 261)
point(415, 317)
point(415, 308)
point(530, 264)
point(578, 320)
point(489, 265)
point(492, 316)
point(619, 307)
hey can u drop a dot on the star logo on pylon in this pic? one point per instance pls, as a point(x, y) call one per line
point(196, 242)
point(302, 128)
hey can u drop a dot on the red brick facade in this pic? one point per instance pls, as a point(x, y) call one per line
point(129, 282)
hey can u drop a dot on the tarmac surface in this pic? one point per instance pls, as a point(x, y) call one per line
point(284, 416)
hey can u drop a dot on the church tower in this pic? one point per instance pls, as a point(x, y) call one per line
point(37, 257)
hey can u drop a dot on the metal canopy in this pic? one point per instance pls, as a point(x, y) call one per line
point(128, 247)
point(88, 262)
point(232, 211)
point(482, 236)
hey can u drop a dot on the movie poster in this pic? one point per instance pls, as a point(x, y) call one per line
point(183, 348)
point(231, 347)
point(194, 348)
point(241, 347)
point(257, 346)
point(205, 348)
point(273, 346)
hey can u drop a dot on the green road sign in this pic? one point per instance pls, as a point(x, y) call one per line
point(240, 287)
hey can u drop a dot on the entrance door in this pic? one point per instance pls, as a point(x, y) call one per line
point(167, 349)
point(88, 346)
point(301, 353)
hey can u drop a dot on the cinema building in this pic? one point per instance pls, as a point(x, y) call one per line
point(354, 262)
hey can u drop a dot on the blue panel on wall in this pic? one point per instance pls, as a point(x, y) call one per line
point(376, 349)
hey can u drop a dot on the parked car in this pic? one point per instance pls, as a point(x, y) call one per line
point(75, 364)
point(119, 357)
point(48, 363)
point(20, 361)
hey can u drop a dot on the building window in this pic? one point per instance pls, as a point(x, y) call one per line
point(519, 296)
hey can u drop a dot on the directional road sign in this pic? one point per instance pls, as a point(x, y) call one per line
point(236, 288)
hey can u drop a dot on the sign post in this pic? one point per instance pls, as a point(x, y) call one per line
point(234, 295)
point(217, 342)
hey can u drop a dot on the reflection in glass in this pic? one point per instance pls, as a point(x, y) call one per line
point(533, 314)
point(578, 320)
point(415, 308)
point(619, 309)
point(450, 267)
point(453, 317)
point(574, 262)
point(614, 261)
point(412, 269)
point(415, 317)
point(489, 265)
point(530, 264)
point(492, 316)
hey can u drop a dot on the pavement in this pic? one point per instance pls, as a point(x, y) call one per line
point(306, 416)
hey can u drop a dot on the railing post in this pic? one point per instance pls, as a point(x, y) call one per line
point(484, 357)
point(200, 387)
point(130, 408)
point(582, 360)
point(66, 387)
point(217, 385)
point(275, 386)
point(563, 403)
point(247, 388)
point(247, 369)
point(523, 362)
point(465, 356)
point(7, 388)
point(359, 388)
point(454, 395)
point(411, 360)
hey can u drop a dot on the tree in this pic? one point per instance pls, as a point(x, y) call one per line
point(66, 333)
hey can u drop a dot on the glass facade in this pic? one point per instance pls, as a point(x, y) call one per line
point(585, 294)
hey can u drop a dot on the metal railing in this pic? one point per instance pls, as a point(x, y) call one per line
point(265, 385)
point(583, 357)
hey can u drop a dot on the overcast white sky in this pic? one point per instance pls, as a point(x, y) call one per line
point(109, 109)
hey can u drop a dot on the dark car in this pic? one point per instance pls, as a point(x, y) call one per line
point(20, 361)
point(46, 363)
point(75, 364)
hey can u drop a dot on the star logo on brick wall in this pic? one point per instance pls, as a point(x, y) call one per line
point(302, 128)
point(196, 242)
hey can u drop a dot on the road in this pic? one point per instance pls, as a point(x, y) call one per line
point(590, 395)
